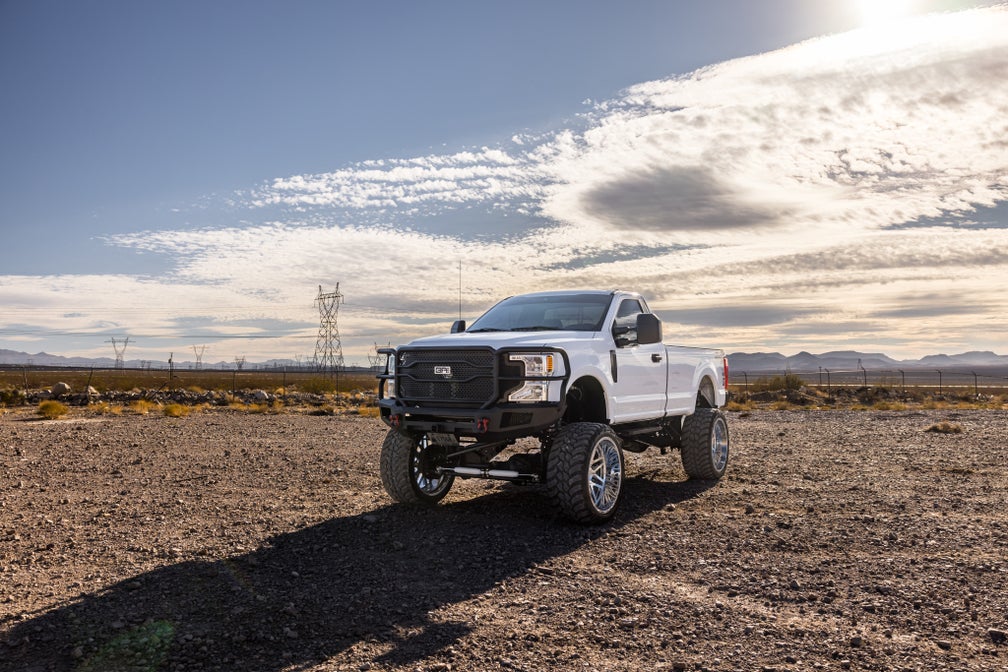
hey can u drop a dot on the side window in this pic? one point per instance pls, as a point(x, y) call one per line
point(624, 329)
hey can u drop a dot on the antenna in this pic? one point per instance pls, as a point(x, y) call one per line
point(198, 351)
point(460, 289)
point(120, 350)
point(328, 349)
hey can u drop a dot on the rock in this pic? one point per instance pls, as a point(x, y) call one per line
point(59, 389)
point(856, 641)
point(262, 396)
point(997, 636)
point(944, 644)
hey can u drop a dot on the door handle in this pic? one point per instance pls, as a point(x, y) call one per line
point(655, 357)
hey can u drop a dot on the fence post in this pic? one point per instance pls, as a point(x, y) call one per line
point(829, 387)
point(976, 389)
point(939, 381)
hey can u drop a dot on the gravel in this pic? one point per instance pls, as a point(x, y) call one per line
point(228, 541)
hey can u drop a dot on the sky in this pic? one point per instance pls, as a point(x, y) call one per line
point(773, 175)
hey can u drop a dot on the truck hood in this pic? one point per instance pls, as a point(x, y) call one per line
point(506, 339)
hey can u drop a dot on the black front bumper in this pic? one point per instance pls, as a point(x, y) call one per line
point(504, 422)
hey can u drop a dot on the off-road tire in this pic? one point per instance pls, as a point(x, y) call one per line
point(584, 472)
point(705, 444)
point(401, 473)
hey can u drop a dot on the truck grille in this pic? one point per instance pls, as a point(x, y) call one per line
point(447, 377)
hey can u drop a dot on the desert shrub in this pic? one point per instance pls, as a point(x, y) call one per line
point(105, 408)
point(369, 411)
point(319, 385)
point(176, 410)
point(788, 381)
point(731, 406)
point(11, 397)
point(889, 406)
point(51, 409)
point(945, 427)
point(141, 406)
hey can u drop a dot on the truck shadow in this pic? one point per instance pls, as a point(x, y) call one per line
point(374, 580)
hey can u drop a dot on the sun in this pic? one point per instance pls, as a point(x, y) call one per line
point(875, 12)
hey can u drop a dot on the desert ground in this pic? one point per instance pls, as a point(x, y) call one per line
point(222, 540)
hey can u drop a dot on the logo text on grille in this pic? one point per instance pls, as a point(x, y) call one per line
point(442, 371)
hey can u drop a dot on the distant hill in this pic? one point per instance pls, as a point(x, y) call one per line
point(755, 362)
point(770, 362)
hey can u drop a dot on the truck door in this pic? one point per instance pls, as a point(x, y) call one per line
point(639, 375)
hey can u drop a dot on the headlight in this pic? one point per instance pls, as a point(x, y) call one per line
point(390, 362)
point(538, 365)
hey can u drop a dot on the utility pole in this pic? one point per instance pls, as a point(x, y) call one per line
point(328, 349)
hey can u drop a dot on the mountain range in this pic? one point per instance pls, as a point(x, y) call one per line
point(851, 361)
point(738, 361)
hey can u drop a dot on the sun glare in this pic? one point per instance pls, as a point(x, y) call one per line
point(875, 12)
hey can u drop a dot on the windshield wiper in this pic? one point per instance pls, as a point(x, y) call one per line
point(476, 331)
point(537, 328)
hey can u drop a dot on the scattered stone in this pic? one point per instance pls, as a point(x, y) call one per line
point(59, 389)
point(997, 636)
point(944, 644)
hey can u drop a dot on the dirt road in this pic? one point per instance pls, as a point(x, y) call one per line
point(228, 541)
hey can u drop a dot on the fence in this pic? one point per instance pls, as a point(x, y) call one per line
point(978, 380)
point(102, 379)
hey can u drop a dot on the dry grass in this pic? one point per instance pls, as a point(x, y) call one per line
point(52, 409)
point(141, 406)
point(945, 428)
point(105, 408)
point(889, 406)
point(176, 410)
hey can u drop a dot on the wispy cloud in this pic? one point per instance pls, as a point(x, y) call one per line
point(762, 200)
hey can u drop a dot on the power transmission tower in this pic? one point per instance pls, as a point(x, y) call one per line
point(328, 349)
point(120, 350)
point(198, 351)
point(373, 357)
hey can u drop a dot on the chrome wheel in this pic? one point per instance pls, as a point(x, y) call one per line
point(605, 475)
point(719, 444)
point(428, 482)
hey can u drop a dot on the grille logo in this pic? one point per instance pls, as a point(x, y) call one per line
point(442, 371)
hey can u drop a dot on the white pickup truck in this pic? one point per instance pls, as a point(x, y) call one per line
point(584, 372)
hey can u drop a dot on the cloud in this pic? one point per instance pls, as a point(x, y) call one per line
point(765, 199)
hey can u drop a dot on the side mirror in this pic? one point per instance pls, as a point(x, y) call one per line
point(458, 326)
point(648, 329)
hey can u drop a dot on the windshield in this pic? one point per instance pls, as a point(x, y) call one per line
point(567, 312)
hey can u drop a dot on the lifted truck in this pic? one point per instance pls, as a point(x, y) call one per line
point(584, 372)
